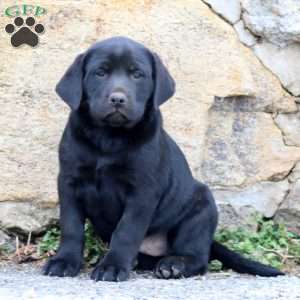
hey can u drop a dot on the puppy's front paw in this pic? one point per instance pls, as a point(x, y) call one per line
point(109, 272)
point(62, 266)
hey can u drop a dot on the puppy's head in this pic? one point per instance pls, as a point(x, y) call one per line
point(116, 79)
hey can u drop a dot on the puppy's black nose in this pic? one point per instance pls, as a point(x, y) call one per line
point(118, 99)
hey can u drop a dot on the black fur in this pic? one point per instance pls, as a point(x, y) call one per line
point(122, 171)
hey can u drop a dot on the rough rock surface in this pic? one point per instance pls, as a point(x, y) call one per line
point(295, 175)
point(289, 211)
point(25, 283)
point(26, 216)
point(284, 62)
point(290, 126)
point(263, 197)
point(243, 146)
point(235, 145)
point(244, 34)
point(274, 27)
point(278, 21)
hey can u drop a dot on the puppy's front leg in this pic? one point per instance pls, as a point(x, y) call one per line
point(126, 241)
point(68, 260)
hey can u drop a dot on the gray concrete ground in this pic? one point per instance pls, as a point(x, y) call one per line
point(24, 282)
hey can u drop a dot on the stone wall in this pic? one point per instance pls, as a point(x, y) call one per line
point(235, 113)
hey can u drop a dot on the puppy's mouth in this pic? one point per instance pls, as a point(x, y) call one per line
point(116, 119)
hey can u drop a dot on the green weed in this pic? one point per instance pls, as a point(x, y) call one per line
point(94, 247)
point(271, 244)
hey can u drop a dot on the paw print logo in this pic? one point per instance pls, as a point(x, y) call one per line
point(24, 34)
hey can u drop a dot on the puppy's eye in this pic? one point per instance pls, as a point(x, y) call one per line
point(137, 74)
point(101, 72)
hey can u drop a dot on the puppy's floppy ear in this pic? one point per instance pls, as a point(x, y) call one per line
point(69, 88)
point(164, 84)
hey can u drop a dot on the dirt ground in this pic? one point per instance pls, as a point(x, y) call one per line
point(25, 282)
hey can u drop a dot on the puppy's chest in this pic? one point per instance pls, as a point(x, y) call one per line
point(105, 178)
point(115, 174)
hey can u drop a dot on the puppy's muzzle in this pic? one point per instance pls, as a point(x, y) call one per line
point(118, 100)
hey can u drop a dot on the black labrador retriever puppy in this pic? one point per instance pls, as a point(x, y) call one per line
point(122, 171)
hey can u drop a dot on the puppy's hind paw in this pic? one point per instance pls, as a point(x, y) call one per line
point(170, 267)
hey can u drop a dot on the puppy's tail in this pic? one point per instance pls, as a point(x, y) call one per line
point(240, 264)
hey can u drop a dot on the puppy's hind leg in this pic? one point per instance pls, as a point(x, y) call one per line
point(191, 239)
point(147, 262)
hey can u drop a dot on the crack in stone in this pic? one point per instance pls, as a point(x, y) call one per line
point(258, 37)
point(290, 186)
point(284, 199)
point(219, 15)
point(281, 130)
point(284, 176)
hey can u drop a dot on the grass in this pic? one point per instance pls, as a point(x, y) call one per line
point(4, 250)
point(94, 247)
point(50, 242)
point(271, 244)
